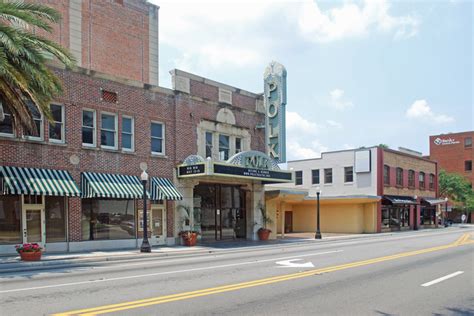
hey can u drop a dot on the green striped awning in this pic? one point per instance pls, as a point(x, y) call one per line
point(32, 181)
point(106, 185)
point(163, 189)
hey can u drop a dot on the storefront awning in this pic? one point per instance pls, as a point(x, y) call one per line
point(50, 182)
point(163, 189)
point(399, 199)
point(432, 201)
point(106, 185)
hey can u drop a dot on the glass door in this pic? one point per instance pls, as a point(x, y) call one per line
point(158, 225)
point(34, 226)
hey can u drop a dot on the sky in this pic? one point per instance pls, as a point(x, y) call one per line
point(360, 73)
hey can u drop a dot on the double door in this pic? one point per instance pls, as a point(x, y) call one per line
point(222, 212)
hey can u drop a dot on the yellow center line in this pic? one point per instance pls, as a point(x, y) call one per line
point(463, 240)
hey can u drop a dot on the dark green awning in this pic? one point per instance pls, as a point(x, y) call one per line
point(106, 185)
point(32, 181)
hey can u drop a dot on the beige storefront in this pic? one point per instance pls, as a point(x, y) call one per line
point(295, 212)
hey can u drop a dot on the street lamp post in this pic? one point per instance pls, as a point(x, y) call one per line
point(315, 193)
point(415, 224)
point(145, 247)
point(445, 211)
point(318, 231)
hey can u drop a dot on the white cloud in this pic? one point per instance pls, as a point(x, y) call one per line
point(334, 124)
point(351, 20)
point(338, 101)
point(421, 110)
point(302, 137)
point(213, 34)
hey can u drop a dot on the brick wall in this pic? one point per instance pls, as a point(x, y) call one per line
point(451, 157)
point(114, 35)
point(407, 162)
point(179, 112)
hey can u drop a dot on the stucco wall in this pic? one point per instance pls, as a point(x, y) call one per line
point(335, 218)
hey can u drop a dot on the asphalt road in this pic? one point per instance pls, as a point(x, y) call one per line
point(412, 273)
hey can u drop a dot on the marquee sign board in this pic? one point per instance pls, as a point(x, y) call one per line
point(275, 111)
point(252, 165)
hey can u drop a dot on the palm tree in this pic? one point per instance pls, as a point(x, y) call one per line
point(24, 76)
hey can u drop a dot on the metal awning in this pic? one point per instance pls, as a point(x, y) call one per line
point(432, 201)
point(32, 181)
point(400, 199)
point(106, 185)
point(163, 189)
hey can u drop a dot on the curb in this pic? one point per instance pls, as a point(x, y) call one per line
point(77, 262)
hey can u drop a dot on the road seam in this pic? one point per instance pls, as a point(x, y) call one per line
point(464, 239)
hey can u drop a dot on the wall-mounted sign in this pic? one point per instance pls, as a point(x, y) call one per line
point(251, 173)
point(253, 159)
point(275, 111)
point(191, 170)
point(445, 141)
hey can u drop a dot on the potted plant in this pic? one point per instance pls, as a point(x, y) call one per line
point(263, 232)
point(189, 236)
point(29, 251)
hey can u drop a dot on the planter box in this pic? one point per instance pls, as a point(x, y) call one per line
point(31, 256)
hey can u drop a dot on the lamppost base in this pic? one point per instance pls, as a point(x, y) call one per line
point(145, 247)
point(318, 235)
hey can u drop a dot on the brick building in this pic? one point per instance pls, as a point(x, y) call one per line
point(454, 154)
point(76, 186)
point(365, 190)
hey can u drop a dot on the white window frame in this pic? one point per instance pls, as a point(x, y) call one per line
point(13, 125)
point(132, 133)
point(115, 147)
point(41, 136)
point(212, 143)
point(94, 127)
point(63, 124)
point(219, 145)
point(163, 139)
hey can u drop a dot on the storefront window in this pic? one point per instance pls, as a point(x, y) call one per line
point(55, 212)
point(108, 219)
point(385, 217)
point(428, 215)
point(10, 220)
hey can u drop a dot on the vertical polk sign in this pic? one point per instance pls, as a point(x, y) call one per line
point(275, 103)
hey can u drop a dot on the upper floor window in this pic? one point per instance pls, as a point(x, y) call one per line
point(223, 147)
point(399, 174)
point(315, 176)
point(88, 128)
point(468, 165)
point(467, 142)
point(238, 145)
point(386, 175)
point(157, 139)
point(348, 174)
point(56, 129)
point(298, 177)
point(209, 144)
point(421, 180)
point(128, 141)
point(411, 178)
point(108, 131)
point(38, 118)
point(432, 181)
point(328, 175)
point(6, 126)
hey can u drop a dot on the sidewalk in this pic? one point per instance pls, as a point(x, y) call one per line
point(13, 263)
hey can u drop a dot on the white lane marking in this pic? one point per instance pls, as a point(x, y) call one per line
point(164, 273)
point(449, 276)
point(292, 264)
